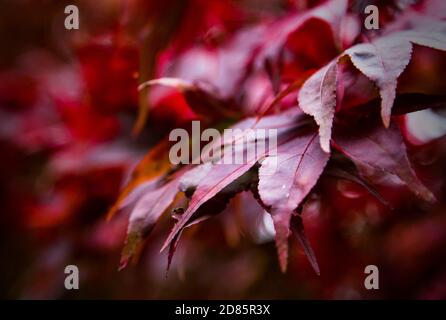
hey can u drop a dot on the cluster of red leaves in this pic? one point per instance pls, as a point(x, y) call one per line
point(319, 79)
point(65, 143)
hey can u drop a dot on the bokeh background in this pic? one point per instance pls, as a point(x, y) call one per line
point(68, 141)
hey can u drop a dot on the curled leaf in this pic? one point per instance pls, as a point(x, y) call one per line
point(318, 99)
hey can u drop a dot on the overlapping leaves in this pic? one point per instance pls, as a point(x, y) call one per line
point(382, 61)
point(282, 176)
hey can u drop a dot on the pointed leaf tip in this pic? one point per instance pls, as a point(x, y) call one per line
point(297, 228)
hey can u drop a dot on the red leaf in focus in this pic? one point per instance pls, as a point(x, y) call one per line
point(286, 180)
point(384, 59)
point(381, 60)
point(213, 206)
point(222, 175)
point(318, 99)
